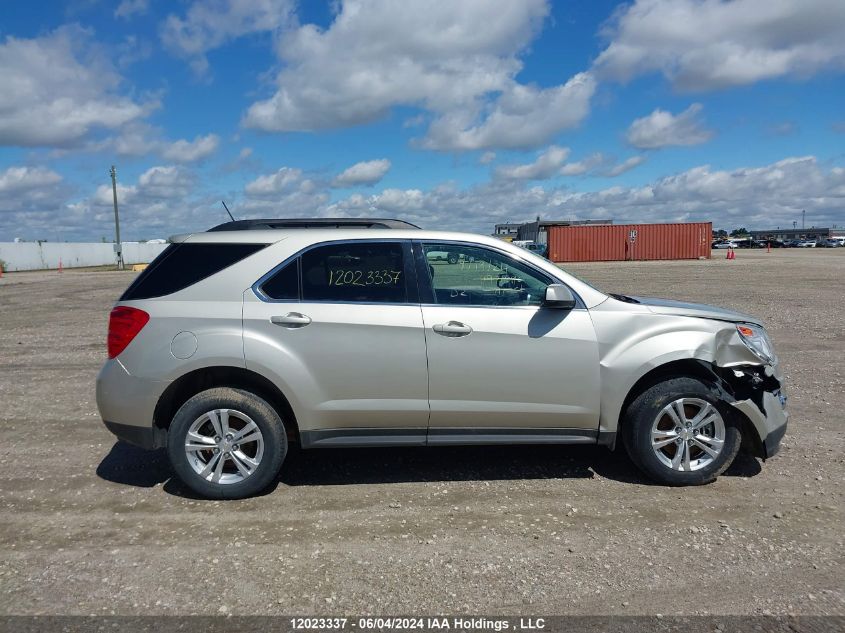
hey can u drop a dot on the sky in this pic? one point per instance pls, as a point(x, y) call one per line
point(452, 115)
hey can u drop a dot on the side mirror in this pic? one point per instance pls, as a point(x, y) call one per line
point(559, 296)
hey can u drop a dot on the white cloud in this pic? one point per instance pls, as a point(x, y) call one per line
point(183, 151)
point(522, 117)
point(135, 139)
point(456, 60)
point(141, 139)
point(32, 200)
point(59, 89)
point(583, 166)
point(16, 179)
point(36, 203)
point(165, 200)
point(165, 182)
point(288, 192)
point(162, 182)
point(132, 50)
point(128, 8)
point(552, 162)
point(547, 164)
point(209, 24)
point(626, 165)
point(363, 173)
point(662, 128)
point(757, 197)
point(487, 157)
point(706, 44)
point(379, 53)
point(285, 179)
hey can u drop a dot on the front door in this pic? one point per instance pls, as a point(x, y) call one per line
point(340, 330)
point(500, 365)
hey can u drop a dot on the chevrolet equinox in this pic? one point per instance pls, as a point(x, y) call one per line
point(233, 343)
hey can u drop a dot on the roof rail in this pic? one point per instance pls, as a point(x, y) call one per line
point(313, 223)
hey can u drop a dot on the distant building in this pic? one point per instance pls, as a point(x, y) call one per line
point(508, 229)
point(812, 233)
point(538, 230)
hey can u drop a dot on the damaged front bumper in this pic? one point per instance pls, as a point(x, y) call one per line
point(769, 420)
point(758, 393)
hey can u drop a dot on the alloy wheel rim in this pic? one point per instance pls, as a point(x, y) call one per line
point(688, 434)
point(224, 446)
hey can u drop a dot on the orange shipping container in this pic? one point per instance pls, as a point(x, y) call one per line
point(620, 242)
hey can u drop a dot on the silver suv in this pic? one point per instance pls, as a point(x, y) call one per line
point(233, 343)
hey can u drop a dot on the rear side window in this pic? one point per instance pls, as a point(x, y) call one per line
point(366, 272)
point(182, 265)
point(284, 284)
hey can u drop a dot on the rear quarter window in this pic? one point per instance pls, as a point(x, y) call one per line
point(182, 265)
point(355, 272)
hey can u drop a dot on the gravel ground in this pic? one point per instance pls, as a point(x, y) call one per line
point(91, 526)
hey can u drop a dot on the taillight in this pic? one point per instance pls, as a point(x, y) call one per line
point(124, 325)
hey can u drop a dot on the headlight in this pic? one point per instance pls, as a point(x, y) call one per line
point(756, 339)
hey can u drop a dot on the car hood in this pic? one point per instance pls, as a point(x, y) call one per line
point(681, 308)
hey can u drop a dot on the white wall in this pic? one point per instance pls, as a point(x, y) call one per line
point(35, 256)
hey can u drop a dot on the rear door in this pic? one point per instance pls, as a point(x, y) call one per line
point(339, 328)
point(502, 368)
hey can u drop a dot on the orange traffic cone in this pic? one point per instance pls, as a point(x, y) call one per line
point(731, 254)
point(60, 264)
point(768, 247)
point(1, 271)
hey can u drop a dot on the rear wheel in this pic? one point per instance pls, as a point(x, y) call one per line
point(226, 443)
point(680, 434)
point(452, 258)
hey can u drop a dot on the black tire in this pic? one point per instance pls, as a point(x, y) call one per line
point(265, 417)
point(644, 410)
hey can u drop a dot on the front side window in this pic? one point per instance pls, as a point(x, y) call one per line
point(477, 276)
point(365, 272)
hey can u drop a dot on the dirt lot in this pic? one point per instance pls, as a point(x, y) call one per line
point(90, 526)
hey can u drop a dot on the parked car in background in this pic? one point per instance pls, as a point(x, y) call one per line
point(537, 249)
point(748, 244)
point(807, 244)
point(770, 244)
point(792, 243)
point(829, 243)
point(232, 344)
point(725, 244)
point(448, 256)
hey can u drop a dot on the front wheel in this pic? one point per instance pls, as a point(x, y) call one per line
point(680, 434)
point(226, 443)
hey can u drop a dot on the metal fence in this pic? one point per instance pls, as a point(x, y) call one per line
point(44, 255)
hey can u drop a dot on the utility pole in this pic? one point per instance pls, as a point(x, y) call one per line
point(118, 248)
point(803, 215)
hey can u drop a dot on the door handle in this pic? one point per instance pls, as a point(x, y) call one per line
point(452, 328)
point(291, 320)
